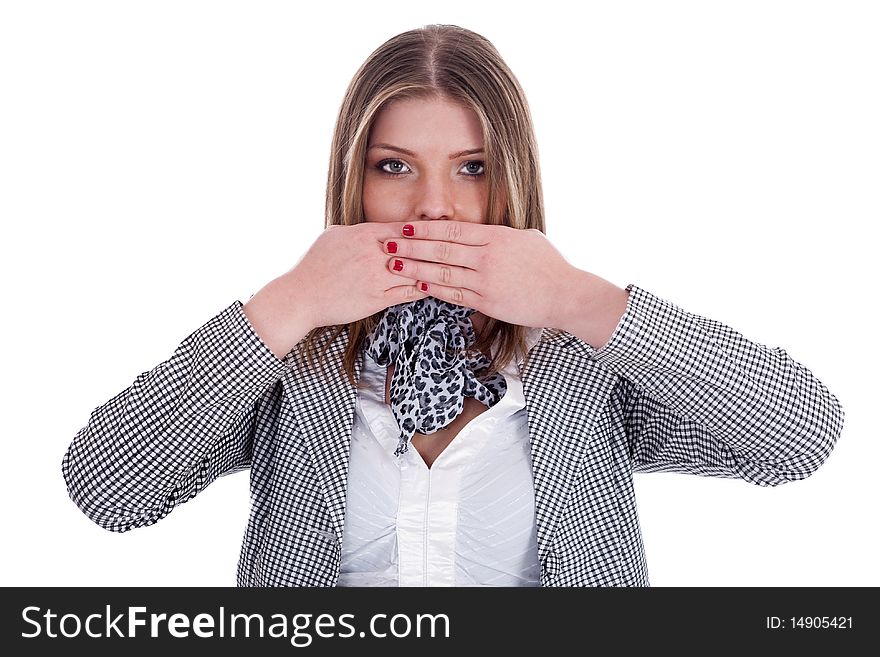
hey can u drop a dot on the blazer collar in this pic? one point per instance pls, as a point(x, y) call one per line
point(323, 403)
point(561, 415)
point(565, 393)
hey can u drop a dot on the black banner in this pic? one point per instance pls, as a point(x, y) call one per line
point(401, 621)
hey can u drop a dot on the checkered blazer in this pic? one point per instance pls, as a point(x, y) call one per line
point(670, 392)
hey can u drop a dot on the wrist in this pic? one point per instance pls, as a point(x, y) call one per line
point(278, 316)
point(595, 308)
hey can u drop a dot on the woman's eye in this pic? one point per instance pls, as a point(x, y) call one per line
point(480, 166)
point(394, 167)
point(473, 168)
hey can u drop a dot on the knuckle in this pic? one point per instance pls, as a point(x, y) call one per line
point(457, 296)
point(445, 275)
point(453, 231)
point(443, 252)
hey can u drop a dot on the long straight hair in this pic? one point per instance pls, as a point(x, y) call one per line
point(451, 62)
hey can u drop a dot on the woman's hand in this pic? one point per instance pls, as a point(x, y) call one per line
point(516, 276)
point(340, 279)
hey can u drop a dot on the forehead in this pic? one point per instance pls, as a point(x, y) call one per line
point(425, 123)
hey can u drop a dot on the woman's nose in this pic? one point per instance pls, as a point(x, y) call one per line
point(435, 198)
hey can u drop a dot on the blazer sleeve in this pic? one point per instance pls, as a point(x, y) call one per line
point(699, 398)
point(176, 429)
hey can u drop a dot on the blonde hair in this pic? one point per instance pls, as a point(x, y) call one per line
point(451, 62)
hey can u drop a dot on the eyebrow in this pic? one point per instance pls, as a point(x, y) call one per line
point(398, 149)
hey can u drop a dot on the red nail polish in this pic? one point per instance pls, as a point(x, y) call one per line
point(424, 287)
point(408, 230)
point(398, 265)
point(392, 247)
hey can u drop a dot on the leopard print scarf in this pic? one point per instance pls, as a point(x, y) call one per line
point(427, 341)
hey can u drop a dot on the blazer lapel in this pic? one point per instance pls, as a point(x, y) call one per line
point(323, 402)
point(565, 392)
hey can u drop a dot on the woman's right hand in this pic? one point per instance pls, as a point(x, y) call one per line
point(343, 277)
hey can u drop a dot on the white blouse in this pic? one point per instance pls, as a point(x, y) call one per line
point(468, 520)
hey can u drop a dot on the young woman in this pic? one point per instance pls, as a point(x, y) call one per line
point(433, 395)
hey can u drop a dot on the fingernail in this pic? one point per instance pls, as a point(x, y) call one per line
point(408, 230)
point(392, 247)
point(424, 287)
point(398, 265)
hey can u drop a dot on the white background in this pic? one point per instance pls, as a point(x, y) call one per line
point(160, 160)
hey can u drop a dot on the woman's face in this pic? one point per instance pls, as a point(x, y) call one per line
point(425, 160)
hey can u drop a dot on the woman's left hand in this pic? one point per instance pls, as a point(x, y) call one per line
point(516, 276)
